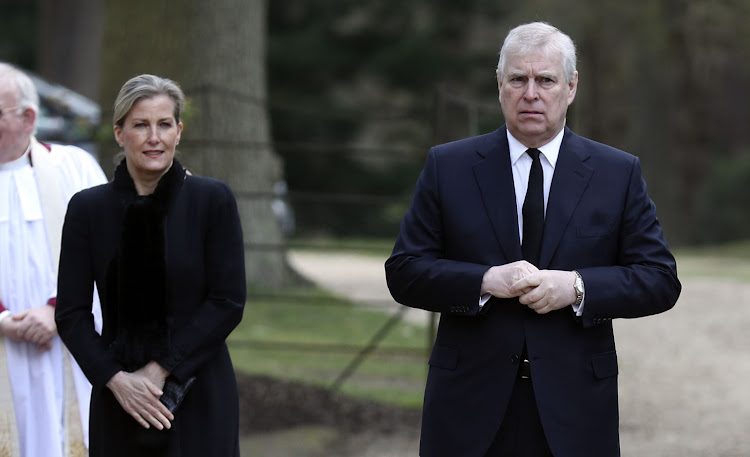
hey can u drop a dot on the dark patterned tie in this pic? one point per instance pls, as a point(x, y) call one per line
point(533, 211)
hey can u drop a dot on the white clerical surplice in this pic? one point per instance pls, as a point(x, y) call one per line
point(28, 278)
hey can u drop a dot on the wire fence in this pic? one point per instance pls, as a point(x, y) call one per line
point(355, 363)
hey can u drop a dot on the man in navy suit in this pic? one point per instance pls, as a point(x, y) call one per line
point(524, 363)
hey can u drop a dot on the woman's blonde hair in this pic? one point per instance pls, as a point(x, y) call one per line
point(147, 86)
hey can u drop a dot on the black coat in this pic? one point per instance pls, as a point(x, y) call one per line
point(205, 274)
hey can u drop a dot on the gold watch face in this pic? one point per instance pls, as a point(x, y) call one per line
point(578, 286)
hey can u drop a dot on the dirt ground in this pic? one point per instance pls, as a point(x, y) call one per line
point(683, 375)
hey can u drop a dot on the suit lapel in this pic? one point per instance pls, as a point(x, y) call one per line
point(571, 177)
point(495, 179)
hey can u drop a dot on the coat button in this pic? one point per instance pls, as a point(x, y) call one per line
point(514, 358)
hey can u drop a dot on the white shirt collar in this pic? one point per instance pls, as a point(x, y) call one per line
point(20, 162)
point(550, 150)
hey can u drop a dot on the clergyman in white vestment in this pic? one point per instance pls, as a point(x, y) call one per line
point(44, 396)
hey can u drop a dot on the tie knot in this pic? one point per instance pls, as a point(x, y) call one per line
point(534, 153)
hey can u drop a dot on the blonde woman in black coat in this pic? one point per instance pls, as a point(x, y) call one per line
point(165, 251)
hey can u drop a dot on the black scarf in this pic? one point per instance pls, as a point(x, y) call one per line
point(137, 277)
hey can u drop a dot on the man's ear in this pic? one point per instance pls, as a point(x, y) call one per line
point(573, 86)
point(499, 83)
point(29, 117)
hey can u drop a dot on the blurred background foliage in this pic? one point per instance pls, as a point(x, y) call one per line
point(358, 91)
point(373, 85)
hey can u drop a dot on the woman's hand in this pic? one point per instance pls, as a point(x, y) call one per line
point(139, 396)
point(155, 373)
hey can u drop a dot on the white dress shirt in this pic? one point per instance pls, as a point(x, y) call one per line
point(520, 163)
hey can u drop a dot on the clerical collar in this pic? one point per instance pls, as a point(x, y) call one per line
point(18, 163)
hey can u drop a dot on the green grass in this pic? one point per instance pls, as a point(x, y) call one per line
point(379, 247)
point(311, 336)
point(736, 250)
point(726, 262)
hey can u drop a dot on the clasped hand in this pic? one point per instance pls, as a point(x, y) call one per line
point(34, 326)
point(138, 393)
point(541, 290)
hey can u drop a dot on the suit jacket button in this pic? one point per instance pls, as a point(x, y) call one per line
point(514, 358)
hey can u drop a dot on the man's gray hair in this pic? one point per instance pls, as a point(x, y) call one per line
point(26, 92)
point(535, 36)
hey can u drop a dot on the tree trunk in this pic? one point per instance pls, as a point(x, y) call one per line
point(69, 43)
point(216, 52)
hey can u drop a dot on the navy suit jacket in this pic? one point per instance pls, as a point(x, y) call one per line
point(599, 221)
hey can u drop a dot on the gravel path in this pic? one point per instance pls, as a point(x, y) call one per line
point(360, 278)
point(683, 374)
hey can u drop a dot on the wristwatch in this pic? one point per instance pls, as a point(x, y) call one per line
point(578, 286)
